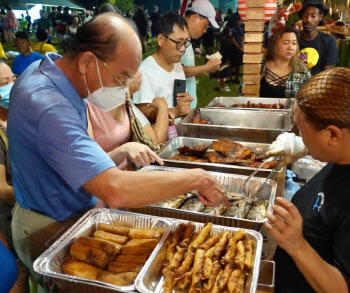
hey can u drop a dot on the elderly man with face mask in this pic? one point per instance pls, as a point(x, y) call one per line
point(58, 170)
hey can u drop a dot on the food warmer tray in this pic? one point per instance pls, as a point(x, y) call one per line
point(49, 263)
point(150, 278)
point(228, 101)
point(239, 125)
point(307, 167)
point(231, 182)
point(170, 149)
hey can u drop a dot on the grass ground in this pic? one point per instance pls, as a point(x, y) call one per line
point(207, 88)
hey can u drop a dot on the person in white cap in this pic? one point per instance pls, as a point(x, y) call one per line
point(199, 15)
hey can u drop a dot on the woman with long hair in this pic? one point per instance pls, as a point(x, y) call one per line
point(283, 72)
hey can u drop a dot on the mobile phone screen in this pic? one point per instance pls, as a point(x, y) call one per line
point(179, 87)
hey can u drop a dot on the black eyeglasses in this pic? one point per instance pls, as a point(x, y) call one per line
point(179, 44)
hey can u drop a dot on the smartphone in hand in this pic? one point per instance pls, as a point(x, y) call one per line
point(179, 87)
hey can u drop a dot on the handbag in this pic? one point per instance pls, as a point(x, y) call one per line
point(138, 133)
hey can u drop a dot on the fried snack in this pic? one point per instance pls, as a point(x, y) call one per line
point(226, 274)
point(248, 253)
point(119, 230)
point(168, 281)
point(100, 244)
point(185, 280)
point(197, 271)
point(187, 235)
point(185, 265)
point(110, 237)
point(121, 267)
point(231, 247)
point(80, 269)
point(139, 246)
point(144, 234)
point(132, 258)
point(210, 242)
point(201, 236)
point(221, 245)
point(210, 252)
point(216, 288)
point(171, 249)
point(120, 279)
point(233, 281)
point(89, 255)
point(207, 268)
point(177, 258)
point(239, 257)
point(215, 271)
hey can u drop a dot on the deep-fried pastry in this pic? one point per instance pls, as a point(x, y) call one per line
point(89, 255)
point(80, 269)
point(248, 253)
point(119, 230)
point(132, 258)
point(221, 245)
point(231, 247)
point(110, 249)
point(118, 279)
point(201, 236)
point(144, 234)
point(239, 257)
point(110, 237)
point(121, 267)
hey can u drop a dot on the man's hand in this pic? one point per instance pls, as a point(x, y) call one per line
point(183, 104)
point(213, 65)
point(140, 154)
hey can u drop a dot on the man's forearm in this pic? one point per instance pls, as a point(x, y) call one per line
point(195, 70)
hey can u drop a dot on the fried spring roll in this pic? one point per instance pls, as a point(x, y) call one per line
point(185, 280)
point(122, 267)
point(216, 288)
point(119, 230)
point(233, 280)
point(248, 253)
point(210, 242)
point(185, 265)
point(207, 268)
point(168, 281)
point(110, 237)
point(231, 247)
point(144, 234)
point(239, 257)
point(210, 252)
point(89, 255)
point(197, 271)
point(100, 244)
point(226, 274)
point(215, 271)
point(221, 245)
point(132, 258)
point(139, 246)
point(177, 258)
point(80, 269)
point(187, 235)
point(171, 249)
point(118, 279)
point(201, 236)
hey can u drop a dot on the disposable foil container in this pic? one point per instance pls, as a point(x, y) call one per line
point(50, 262)
point(150, 279)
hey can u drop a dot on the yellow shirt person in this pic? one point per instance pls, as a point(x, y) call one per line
point(43, 48)
point(2, 52)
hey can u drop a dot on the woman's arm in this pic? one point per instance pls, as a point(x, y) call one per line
point(6, 191)
point(286, 227)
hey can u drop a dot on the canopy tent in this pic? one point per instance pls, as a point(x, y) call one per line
point(27, 4)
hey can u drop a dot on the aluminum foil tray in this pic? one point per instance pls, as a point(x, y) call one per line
point(239, 125)
point(170, 149)
point(150, 278)
point(228, 101)
point(49, 263)
point(231, 182)
point(307, 167)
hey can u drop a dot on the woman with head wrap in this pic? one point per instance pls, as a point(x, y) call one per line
point(313, 231)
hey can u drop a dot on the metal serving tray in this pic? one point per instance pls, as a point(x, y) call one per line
point(231, 182)
point(170, 149)
point(228, 101)
point(239, 125)
point(50, 262)
point(150, 278)
point(307, 167)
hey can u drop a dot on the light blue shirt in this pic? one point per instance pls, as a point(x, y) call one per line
point(188, 60)
point(52, 155)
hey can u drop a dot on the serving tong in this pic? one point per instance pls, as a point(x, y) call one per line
point(256, 194)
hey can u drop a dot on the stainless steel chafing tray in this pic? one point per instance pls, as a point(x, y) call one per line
point(150, 279)
point(240, 125)
point(228, 101)
point(170, 149)
point(231, 182)
point(50, 262)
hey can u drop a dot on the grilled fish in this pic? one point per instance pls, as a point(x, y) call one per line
point(258, 210)
point(193, 204)
point(239, 208)
point(173, 203)
point(232, 195)
point(214, 210)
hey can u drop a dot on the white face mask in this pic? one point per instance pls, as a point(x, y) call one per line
point(106, 98)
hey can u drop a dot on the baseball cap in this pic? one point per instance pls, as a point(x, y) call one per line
point(205, 8)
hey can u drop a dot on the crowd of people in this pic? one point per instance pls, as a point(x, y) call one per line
point(68, 123)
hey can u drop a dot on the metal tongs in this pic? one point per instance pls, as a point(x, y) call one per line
point(261, 187)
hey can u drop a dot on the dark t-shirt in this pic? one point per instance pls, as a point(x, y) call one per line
point(154, 19)
point(44, 23)
point(324, 203)
point(326, 47)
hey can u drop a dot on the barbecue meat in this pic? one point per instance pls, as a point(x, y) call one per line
point(188, 158)
point(267, 165)
point(234, 150)
point(217, 158)
point(198, 150)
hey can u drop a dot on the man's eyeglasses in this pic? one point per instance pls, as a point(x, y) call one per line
point(121, 82)
point(179, 44)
